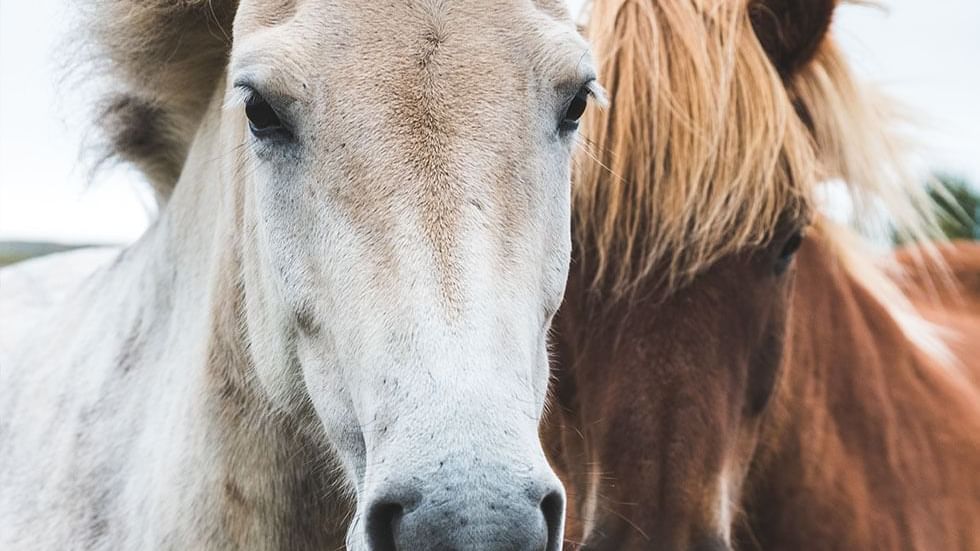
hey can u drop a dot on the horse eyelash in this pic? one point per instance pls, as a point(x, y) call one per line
point(239, 95)
point(598, 93)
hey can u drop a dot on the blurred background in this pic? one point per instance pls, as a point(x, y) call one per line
point(927, 54)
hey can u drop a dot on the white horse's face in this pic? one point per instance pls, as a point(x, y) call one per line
point(406, 179)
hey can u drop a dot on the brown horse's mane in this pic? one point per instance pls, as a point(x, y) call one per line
point(709, 147)
point(162, 61)
point(707, 150)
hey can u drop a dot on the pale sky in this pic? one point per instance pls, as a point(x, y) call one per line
point(925, 53)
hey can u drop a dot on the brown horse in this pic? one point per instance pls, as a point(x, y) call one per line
point(734, 372)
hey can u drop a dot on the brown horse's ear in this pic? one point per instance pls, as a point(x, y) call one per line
point(791, 31)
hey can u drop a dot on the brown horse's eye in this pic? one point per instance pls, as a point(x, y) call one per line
point(788, 252)
point(263, 120)
point(575, 110)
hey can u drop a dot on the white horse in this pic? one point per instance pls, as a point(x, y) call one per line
point(335, 332)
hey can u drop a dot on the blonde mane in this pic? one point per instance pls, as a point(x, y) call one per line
point(707, 148)
point(162, 61)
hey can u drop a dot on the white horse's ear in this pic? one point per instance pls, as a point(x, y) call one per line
point(791, 31)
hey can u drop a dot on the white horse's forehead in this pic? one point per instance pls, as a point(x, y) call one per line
point(432, 82)
point(422, 56)
point(513, 31)
point(438, 105)
point(394, 14)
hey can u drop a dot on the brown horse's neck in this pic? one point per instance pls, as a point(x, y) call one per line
point(870, 444)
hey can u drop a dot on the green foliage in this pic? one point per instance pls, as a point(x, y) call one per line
point(959, 207)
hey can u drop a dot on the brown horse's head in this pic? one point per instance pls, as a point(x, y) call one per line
point(664, 410)
point(671, 340)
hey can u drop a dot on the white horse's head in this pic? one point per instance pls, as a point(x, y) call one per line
point(406, 181)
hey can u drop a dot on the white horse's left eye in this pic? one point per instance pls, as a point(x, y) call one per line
point(575, 110)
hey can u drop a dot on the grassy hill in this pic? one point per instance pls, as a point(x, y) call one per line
point(16, 251)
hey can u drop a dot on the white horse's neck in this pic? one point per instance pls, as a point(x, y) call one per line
point(204, 459)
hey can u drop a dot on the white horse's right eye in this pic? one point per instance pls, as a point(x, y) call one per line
point(263, 120)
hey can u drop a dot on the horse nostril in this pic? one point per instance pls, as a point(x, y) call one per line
point(553, 508)
point(456, 515)
point(382, 524)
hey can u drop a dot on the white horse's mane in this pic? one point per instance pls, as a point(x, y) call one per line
point(160, 63)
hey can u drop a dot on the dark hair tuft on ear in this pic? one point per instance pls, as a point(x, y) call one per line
point(791, 31)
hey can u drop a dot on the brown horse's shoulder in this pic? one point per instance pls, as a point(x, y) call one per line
point(947, 295)
point(963, 258)
point(958, 264)
point(882, 444)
